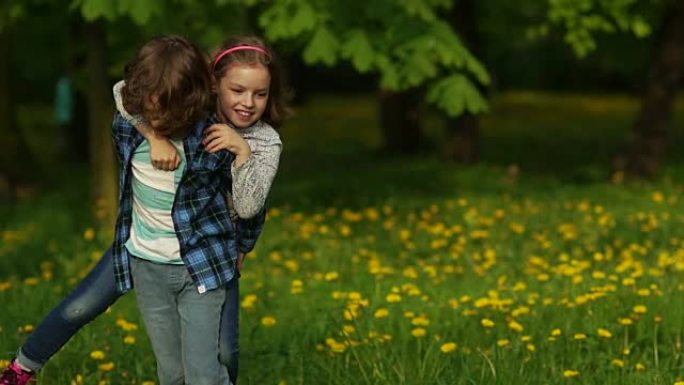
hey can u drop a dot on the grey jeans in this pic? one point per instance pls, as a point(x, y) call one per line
point(182, 324)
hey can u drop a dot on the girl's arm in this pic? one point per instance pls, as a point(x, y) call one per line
point(252, 175)
point(163, 154)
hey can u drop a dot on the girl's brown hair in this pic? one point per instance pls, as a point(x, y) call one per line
point(168, 81)
point(276, 107)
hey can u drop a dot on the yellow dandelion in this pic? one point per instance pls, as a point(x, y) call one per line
point(297, 286)
point(331, 276)
point(418, 332)
point(639, 367)
point(89, 234)
point(568, 373)
point(604, 333)
point(129, 340)
point(248, 301)
point(106, 367)
point(531, 347)
point(420, 321)
point(640, 309)
point(97, 355)
point(448, 347)
point(487, 323)
point(348, 329)
point(503, 343)
point(556, 332)
point(515, 326)
point(580, 336)
point(381, 313)
point(393, 297)
point(618, 362)
point(268, 321)
point(625, 321)
point(657, 197)
point(345, 230)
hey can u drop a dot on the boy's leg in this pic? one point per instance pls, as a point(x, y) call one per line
point(96, 292)
point(200, 318)
point(155, 290)
point(229, 336)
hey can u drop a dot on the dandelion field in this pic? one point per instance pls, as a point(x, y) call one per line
point(376, 270)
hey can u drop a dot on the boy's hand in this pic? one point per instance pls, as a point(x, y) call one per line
point(163, 154)
point(223, 137)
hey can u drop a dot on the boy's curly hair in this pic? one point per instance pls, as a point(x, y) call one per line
point(168, 82)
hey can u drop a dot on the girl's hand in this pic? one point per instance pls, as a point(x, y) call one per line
point(223, 137)
point(163, 154)
point(240, 261)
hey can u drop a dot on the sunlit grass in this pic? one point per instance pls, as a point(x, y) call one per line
point(408, 271)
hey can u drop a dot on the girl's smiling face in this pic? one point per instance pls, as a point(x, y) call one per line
point(242, 94)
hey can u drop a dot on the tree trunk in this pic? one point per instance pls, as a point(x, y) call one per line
point(648, 140)
point(103, 164)
point(463, 142)
point(77, 146)
point(17, 165)
point(399, 120)
point(463, 133)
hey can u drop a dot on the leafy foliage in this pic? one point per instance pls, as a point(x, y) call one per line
point(409, 43)
point(582, 20)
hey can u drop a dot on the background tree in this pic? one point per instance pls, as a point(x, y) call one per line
point(125, 24)
point(582, 21)
point(408, 44)
point(15, 157)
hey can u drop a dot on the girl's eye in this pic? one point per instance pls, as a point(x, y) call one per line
point(262, 95)
point(237, 91)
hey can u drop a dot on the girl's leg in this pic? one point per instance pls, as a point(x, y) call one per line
point(96, 292)
point(229, 349)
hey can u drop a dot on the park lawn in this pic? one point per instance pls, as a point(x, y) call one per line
point(407, 270)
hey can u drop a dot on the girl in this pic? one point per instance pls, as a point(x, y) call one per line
point(99, 289)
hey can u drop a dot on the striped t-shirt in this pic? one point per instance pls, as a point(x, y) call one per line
point(152, 235)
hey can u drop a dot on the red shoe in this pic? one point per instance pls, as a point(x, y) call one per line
point(15, 375)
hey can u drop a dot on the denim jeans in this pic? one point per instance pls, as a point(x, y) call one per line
point(182, 324)
point(93, 295)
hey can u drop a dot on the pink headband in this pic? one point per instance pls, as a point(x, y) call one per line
point(239, 48)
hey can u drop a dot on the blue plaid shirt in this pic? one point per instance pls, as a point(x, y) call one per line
point(209, 241)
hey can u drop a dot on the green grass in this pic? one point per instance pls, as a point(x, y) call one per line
point(442, 249)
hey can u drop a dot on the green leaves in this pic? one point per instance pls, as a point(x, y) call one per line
point(288, 19)
point(359, 50)
point(407, 42)
point(11, 11)
point(95, 9)
point(582, 20)
point(455, 95)
point(140, 11)
point(323, 47)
